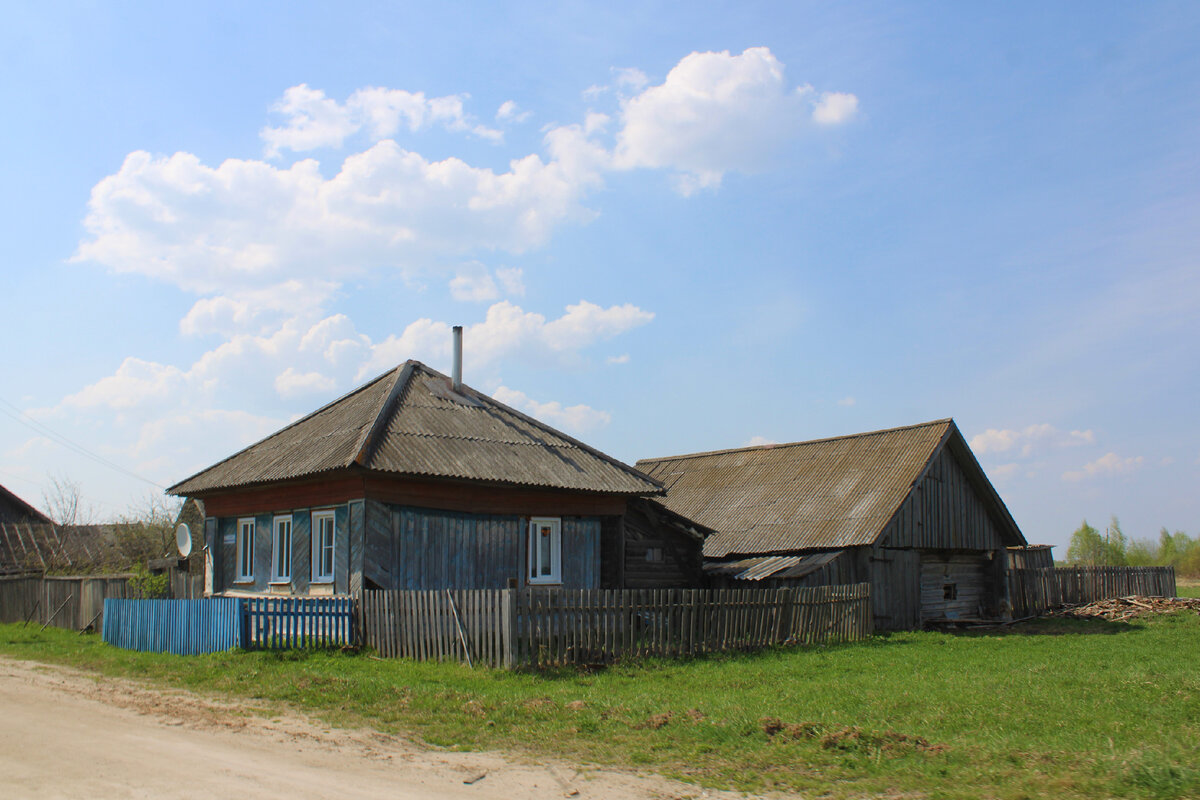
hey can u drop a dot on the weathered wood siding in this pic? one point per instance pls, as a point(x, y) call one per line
point(956, 586)
point(895, 587)
point(943, 512)
point(419, 548)
point(680, 564)
point(1037, 556)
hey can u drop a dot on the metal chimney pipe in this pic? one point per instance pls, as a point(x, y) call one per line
point(456, 374)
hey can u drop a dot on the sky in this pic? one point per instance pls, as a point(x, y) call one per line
point(665, 229)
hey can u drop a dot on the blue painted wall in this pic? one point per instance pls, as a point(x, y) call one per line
point(224, 549)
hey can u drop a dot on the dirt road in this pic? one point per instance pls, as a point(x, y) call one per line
point(68, 734)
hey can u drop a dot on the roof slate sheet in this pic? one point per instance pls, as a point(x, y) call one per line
point(829, 493)
point(410, 422)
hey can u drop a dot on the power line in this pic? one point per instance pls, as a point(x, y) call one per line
point(63, 441)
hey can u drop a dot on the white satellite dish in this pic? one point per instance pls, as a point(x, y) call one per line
point(183, 540)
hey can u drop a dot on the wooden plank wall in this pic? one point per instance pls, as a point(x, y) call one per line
point(681, 563)
point(943, 512)
point(593, 626)
point(1034, 591)
point(895, 587)
point(967, 573)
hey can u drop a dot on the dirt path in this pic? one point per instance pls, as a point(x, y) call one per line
point(69, 734)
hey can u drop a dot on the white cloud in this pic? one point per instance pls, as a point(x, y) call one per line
point(834, 108)
point(847, 401)
point(573, 419)
point(631, 78)
point(509, 330)
point(512, 279)
point(1028, 439)
point(1003, 471)
point(716, 113)
point(621, 359)
point(509, 111)
point(759, 441)
point(474, 287)
point(313, 120)
point(1107, 464)
point(291, 383)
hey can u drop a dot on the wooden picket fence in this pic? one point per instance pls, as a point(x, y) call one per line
point(538, 628)
point(73, 603)
point(1034, 591)
point(289, 622)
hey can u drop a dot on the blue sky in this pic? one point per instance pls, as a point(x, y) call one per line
point(665, 231)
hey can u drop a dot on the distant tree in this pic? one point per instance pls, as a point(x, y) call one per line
point(64, 502)
point(1115, 545)
point(1086, 546)
point(147, 530)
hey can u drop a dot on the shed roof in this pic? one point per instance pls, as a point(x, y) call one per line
point(822, 494)
point(409, 421)
point(14, 509)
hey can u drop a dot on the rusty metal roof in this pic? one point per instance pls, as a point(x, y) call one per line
point(828, 493)
point(409, 421)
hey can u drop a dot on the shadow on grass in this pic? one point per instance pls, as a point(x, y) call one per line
point(1054, 626)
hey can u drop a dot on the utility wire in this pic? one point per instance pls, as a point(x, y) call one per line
point(31, 423)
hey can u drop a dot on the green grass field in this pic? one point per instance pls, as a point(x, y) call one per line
point(1050, 709)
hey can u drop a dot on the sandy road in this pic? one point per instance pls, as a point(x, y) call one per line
point(68, 734)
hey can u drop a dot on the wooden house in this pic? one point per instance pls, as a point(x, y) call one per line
point(908, 510)
point(417, 481)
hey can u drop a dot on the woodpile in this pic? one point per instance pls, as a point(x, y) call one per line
point(1125, 608)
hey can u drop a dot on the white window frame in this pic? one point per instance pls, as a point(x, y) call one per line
point(536, 568)
point(319, 517)
point(245, 549)
point(281, 568)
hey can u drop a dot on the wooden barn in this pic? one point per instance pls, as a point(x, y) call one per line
point(417, 481)
point(908, 510)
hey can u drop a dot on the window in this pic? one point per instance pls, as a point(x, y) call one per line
point(245, 550)
point(654, 555)
point(281, 551)
point(545, 550)
point(950, 591)
point(322, 547)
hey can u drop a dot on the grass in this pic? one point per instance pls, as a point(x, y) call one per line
point(1188, 587)
point(1062, 708)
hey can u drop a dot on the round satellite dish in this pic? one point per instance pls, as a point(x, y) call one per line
point(183, 540)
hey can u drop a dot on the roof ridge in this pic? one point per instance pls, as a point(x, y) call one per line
point(781, 445)
point(365, 446)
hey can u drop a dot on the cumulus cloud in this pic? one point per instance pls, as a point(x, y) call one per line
point(508, 330)
point(312, 120)
point(717, 113)
point(621, 359)
point(759, 441)
point(573, 419)
point(291, 383)
point(834, 108)
point(847, 401)
point(1026, 440)
point(509, 111)
point(1107, 464)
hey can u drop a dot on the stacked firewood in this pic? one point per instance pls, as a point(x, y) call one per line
point(1123, 608)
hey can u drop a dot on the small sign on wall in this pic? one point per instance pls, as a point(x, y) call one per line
point(229, 538)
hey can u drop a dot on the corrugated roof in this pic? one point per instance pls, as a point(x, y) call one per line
point(410, 422)
point(763, 567)
point(829, 493)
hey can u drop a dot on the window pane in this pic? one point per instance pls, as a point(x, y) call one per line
point(544, 567)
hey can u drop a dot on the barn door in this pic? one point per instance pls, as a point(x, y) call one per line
point(952, 586)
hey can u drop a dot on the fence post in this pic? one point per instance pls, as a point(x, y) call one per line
point(508, 617)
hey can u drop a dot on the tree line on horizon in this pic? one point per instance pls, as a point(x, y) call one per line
point(1112, 548)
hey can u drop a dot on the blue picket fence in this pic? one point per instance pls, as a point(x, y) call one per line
point(213, 624)
point(182, 627)
point(285, 622)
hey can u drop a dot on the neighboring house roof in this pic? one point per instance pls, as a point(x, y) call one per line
point(823, 494)
point(409, 421)
point(36, 547)
point(14, 509)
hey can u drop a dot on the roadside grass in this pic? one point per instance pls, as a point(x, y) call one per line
point(1062, 708)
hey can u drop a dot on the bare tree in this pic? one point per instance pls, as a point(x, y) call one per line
point(64, 502)
point(147, 530)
